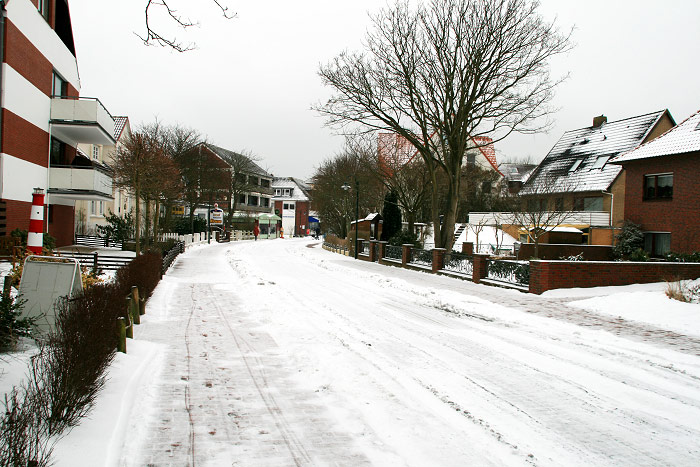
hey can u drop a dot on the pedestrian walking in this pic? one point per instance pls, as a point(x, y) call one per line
point(256, 232)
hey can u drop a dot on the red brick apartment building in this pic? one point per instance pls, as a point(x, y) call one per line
point(42, 120)
point(662, 189)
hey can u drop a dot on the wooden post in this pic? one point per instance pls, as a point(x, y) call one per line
point(121, 335)
point(129, 326)
point(94, 262)
point(142, 306)
point(134, 306)
point(7, 287)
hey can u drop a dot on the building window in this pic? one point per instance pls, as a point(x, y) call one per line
point(278, 192)
point(240, 178)
point(59, 87)
point(471, 158)
point(575, 165)
point(264, 183)
point(58, 152)
point(252, 200)
point(254, 181)
point(287, 192)
point(658, 186)
point(289, 206)
point(588, 204)
point(241, 199)
point(600, 162)
point(657, 243)
point(95, 153)
point(558, 204)
point(44, 8)
point(265, 202)
point(536, 205)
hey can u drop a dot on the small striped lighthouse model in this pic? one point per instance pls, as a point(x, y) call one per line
point(35, 238)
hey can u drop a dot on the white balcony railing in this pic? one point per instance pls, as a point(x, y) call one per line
point(80, 182)
point(81, 120)
point(592, 218)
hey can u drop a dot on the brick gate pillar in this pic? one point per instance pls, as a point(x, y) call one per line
point(406, 253)
point(480, 270)
point(438, 259)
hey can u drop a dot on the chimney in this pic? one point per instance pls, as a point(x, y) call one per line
point(597, 121)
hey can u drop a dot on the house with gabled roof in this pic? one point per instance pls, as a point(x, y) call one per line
point(250, 193)
point(662, 188)
point(293, 205)
point(576, 175)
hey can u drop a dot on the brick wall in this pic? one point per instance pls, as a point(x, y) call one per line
point(16, 215)
point(555, 251)
point(61, 222)
point(26, 60)
point(548, 275)
point(679, 215)
point(301, 217)
point(23, 140)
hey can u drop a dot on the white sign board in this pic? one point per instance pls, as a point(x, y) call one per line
point(216, 217)
point(44, 280)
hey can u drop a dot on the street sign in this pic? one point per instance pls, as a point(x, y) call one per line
point(217, 217)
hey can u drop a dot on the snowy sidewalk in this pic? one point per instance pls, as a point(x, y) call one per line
point(223, 396)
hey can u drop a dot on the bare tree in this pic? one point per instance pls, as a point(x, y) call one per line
point(444, 73)
point(153, 37)
point(242, 166)
point(395, 163)
point(133, 164)
point(543, 207)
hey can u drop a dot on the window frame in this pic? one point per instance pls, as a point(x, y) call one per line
point(656, 196)
point(44, 9)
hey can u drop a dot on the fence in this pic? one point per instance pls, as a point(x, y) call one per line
point(336, 248)
point(459, 263)
point(421, 257)
point(392, 252)
point(97, 261)
point(515, 273)
point(96, 242)
point(171, 254)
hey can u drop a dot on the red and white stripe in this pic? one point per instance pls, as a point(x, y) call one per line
point(35, 237)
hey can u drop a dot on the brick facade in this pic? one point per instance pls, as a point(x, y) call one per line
point(23, 140)
point(16, 215)
point(61, 222)
point(680, 214)
point(26, 60)
point(301, 217)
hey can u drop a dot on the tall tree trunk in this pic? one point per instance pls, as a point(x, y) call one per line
point(137, 221)
point(148, 221)
point(156, 219)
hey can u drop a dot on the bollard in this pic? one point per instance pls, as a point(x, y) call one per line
point(135, 296)
point(130, 326)
point(121, 335)
point(142, 306)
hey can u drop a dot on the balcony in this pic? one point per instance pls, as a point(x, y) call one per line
point(81, 120)
point(578, 218)
point(80, 183)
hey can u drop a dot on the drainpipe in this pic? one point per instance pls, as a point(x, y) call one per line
point(2, 58)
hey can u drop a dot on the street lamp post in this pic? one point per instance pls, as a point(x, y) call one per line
point(346, 187)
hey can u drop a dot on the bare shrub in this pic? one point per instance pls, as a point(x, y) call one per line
point(23, 437)
point(683, 291)
point(143, 272)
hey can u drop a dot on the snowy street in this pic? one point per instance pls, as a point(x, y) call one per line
point(276, 353)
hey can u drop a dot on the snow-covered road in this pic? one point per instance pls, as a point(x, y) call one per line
point(276, 353)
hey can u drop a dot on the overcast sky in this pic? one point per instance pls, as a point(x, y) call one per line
point(251, 81)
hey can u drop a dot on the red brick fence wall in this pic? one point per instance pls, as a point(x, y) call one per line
point(548, 275)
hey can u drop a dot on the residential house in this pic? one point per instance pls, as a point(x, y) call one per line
point(292, 204)
point(250, 193)
point(662, 189)
point(576, 175)
point(43, 119)
point(90, 214)
point(515, 175)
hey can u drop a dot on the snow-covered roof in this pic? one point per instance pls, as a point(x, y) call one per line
point(299, 189)
point(370, 217)
point(252, 167)
point(578, 162)
point(517, 172)
point(682, 138)
point(560, 229)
